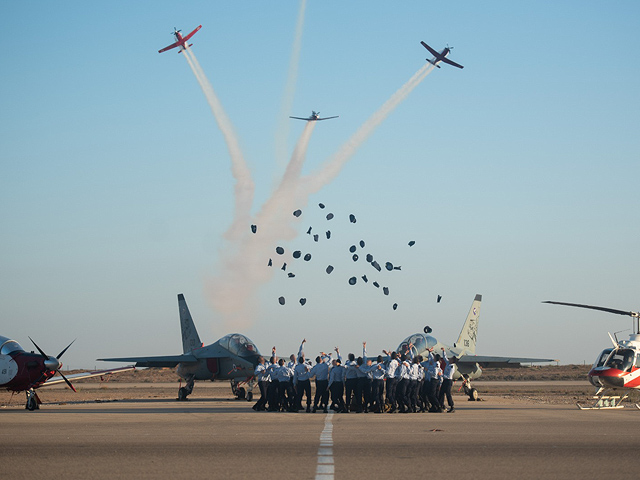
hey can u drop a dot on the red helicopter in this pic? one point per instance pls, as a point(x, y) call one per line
point(616, 368)
point(180, 40)
point(25, 372)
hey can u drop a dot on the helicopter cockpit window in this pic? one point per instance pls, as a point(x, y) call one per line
point(621, 359)
point(603, 357)
point(10, 346)
point(242, 346)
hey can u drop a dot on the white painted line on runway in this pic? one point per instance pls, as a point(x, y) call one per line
point(325, 469)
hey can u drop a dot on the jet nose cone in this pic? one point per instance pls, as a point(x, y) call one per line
point(52, 363)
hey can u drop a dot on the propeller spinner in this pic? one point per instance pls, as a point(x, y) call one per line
point(54, 363)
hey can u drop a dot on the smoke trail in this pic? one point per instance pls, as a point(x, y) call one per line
point(243, 268)
point(332, 167)
point(282, 132)
point(244, 187)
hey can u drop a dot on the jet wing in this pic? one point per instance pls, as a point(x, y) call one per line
point(327, 118)
point(500, 362)
point(79, 376)
point(300, 118)
point(446, 60)
point(173, 45)
point(191, 34)
point(432, 51)
point(161, 361)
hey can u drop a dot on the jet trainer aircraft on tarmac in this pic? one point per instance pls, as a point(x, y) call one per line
point(24, 372)
point(180, 40)
point(233, 358)
point(440, 56)
point(469, 365)
point(314, 117)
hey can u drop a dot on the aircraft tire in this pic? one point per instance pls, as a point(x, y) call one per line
point(182, 394)
point(240, 393)
point(249, 396)
point(32, 404)
point(473, 395)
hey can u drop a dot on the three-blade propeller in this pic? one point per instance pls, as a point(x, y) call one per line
point(54, 363)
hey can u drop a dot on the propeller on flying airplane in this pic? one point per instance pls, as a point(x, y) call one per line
point(53, 363)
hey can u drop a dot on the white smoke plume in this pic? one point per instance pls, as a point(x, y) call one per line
point(333, 166)
point(244, 264)
point(282, 131)
point(244, 188)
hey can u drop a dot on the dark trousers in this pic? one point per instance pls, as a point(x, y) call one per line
point(445, 390)
point(377, 398)
point(273, 394)
point(392, 386)
point(337, 392)
point(401, 394)
point(304, 387)
point(412, 395)
point(422, 394)
point(322, 394)
point(366, 383)
point(350, 386)
point(285, 392)
point(432, 394)
point(262, 385)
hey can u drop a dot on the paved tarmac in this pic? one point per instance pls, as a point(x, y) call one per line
point(207, 438)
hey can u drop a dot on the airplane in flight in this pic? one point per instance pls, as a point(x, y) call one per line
point(233, 358)
point(180, 40)
point(314, 117)
point(440, 56)
point(469, 365)
point(25, 372)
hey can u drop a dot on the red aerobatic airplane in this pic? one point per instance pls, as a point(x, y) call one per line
point(180, 40)
point(24, 372)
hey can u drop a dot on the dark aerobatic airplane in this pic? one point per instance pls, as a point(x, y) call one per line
point(469, 365)
point(25, 372)
point(233, 358)
point(180, 40)
point(440, 56)
point(314, 117)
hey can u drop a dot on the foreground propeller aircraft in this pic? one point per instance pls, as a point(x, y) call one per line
point(180, 40)
point(25, 372)
point(314, 117)
point(233, 358)
point(440, 56)
point(469, 365)
point(615, 368)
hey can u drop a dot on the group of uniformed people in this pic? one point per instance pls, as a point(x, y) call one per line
point(413, 383)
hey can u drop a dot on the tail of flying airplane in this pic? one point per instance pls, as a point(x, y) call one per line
point(190, 338)
point(469, 333)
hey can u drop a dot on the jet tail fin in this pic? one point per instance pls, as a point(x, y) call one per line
point(190, 337)
point(469, 332)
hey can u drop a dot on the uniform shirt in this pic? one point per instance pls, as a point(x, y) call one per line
point(261, 373)
point(320, 371)
point(434, 372)
point(378, 373)
point(337, 374)
point(449, 369)
point(392, 369)
point(301, 373)
point(403, 371)
point(271, 368)
point(283, 373)
point(352, 369)
point(414, 371)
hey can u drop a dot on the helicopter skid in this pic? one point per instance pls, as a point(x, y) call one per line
point(606, 402)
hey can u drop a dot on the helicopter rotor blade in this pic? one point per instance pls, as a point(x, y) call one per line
point(592, 307)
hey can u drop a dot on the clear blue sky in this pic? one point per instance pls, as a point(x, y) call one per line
point(516, 176)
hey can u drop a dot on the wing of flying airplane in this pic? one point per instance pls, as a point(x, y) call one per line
point(431, 50)
point(327, 118)
point(79, 376)
point(159, 361)
point(173, 45)
point(192, 33)
point(446, 60)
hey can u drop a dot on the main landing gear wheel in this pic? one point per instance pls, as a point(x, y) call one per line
point(249, 396)
point(32, 401)
point(473, 395)
point(240, 393)
point(182, 394)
